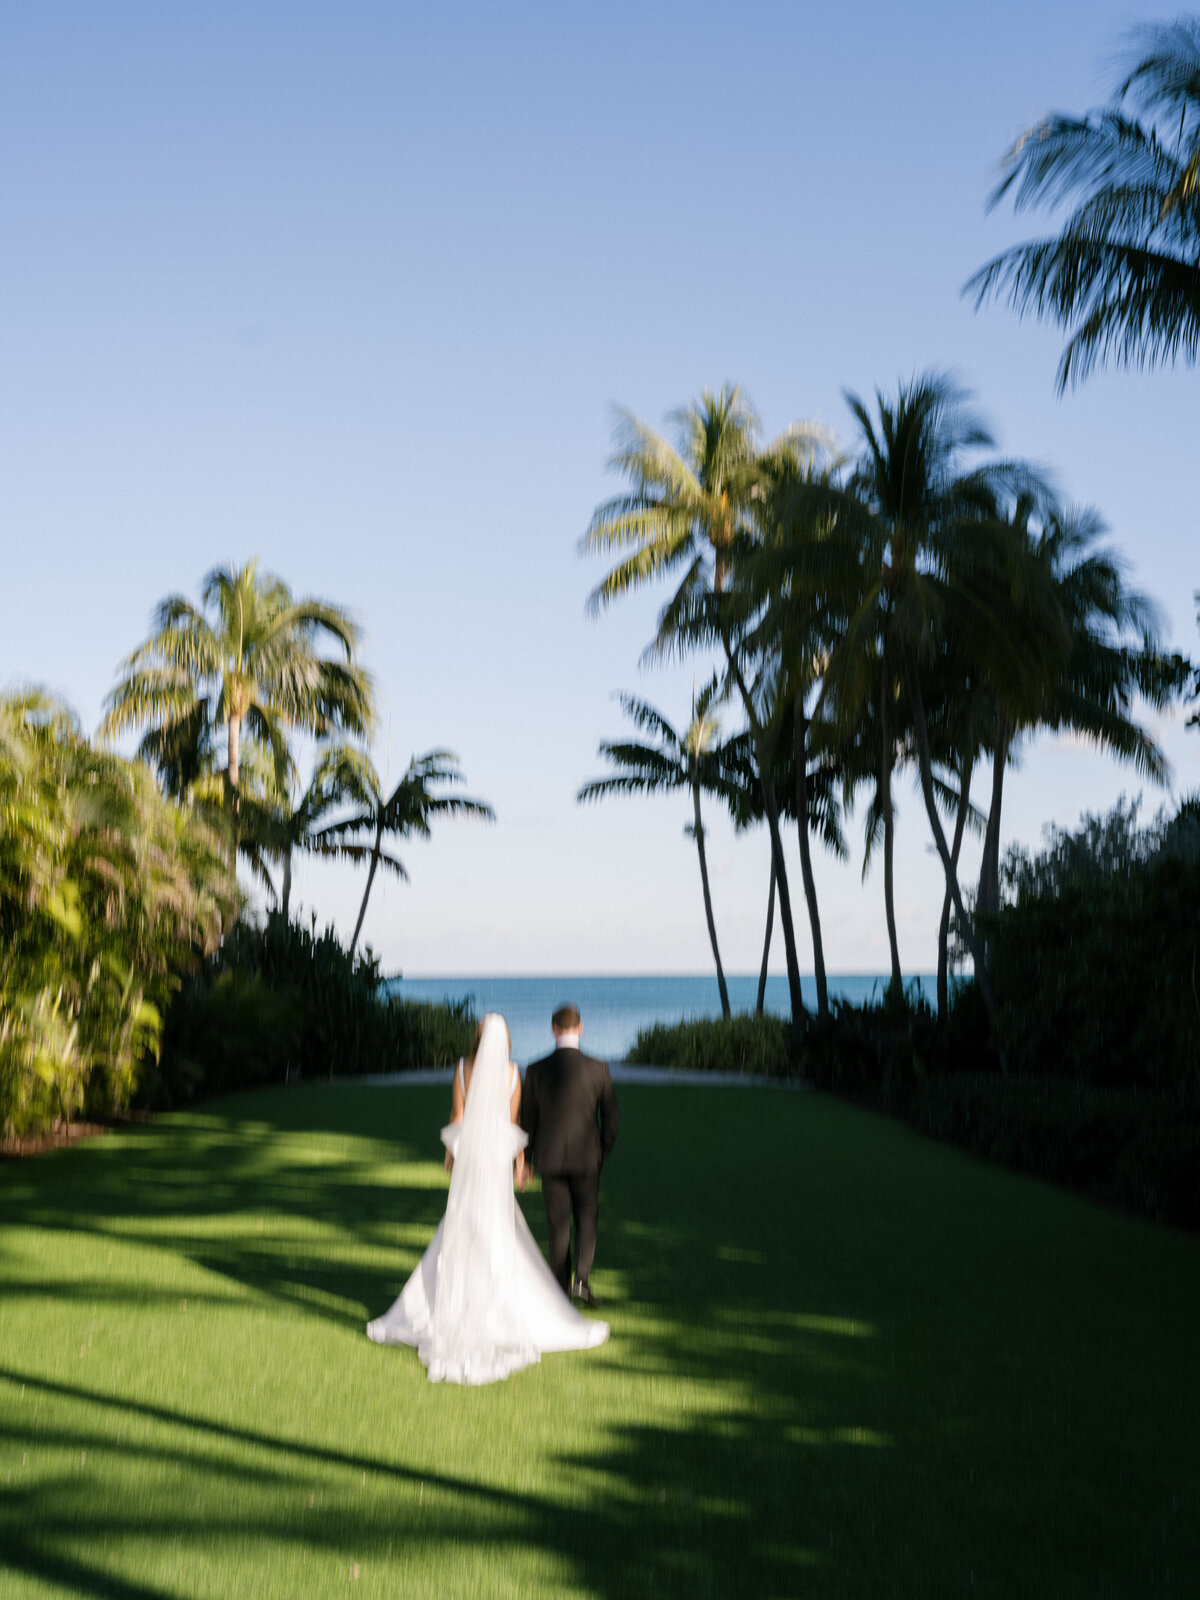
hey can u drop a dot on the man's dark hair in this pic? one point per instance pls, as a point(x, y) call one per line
point(565, 1019)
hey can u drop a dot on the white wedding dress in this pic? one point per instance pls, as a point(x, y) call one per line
point(482, 1302)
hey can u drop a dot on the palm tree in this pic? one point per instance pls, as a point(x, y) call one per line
point(1106, 657)
point(695, 761)
point(960, 703)
point(687, 507)
point(898, 493)
point(407, 810)
point(1123, 275)
point(785, 598)
point(689, 510)
point(274, 826)
point(248, 661)
point(744, 813)
point(920, 538)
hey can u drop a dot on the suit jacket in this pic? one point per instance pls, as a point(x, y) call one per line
point(569, 1111)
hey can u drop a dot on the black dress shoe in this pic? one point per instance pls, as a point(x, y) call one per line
point(583, 1292)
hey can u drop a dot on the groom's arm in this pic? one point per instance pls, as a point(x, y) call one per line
point(529, 1113)
point(610, 1114)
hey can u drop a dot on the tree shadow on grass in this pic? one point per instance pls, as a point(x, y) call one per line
point(712, 1507)
point(772, 1403)
point(130, 1187)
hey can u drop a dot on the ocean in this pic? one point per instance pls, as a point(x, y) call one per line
point(614, 1009)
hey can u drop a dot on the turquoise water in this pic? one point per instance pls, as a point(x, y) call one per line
point(613, 1009)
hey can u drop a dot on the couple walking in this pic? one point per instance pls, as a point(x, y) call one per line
point(482, 1302)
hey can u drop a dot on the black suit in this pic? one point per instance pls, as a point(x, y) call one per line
point(569, 1111)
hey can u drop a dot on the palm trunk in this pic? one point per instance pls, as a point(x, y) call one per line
point(987, 902)
point(806, 871)
point(376, 851)
point(698, 834)
point(925, 764)
point(235, 735)
point(889, 826)
point(285, 893)
point(960, 828)
point(232, 777)
point(762, 975)
point(771, 809)
point(795, 993)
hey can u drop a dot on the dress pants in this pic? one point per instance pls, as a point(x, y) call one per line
point(564, 1194)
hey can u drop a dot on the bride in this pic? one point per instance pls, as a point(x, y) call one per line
point(482, 1303)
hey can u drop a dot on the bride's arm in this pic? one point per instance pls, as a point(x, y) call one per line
point(457, 1106)
point(514, 1109)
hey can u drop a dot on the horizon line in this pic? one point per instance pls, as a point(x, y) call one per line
point(554, 977)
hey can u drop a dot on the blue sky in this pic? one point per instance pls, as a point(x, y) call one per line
point(354, 288)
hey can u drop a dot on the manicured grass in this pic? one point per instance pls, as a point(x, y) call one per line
point(845, 1362)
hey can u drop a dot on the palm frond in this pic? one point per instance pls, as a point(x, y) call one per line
point(1122, 276)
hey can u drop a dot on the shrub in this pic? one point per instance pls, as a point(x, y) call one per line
point(1138, 1148)
point(280, 1001)
point(745, 1044)
point(1097, 952)
point(109, 894)
point(433, 1034)
point(227, 1033)
point(1131, 1147)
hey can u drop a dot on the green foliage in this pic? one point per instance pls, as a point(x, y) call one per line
point(1097, 954)
point(696, 760)
point(1126, 1146)
point(281, 1001)
point(435, 1033)
point(745, 1044)
point(684, 509)
point(1132, 1146)
point(228, 1032)
point(1122, 275)
point(406, 812)
point(109, 893)
point(246, 664)
point(863, 1047)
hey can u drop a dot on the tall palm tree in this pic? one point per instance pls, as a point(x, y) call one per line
point(406, 810)
point(920, 535)
point(744, 813)
point(686, 507)
point(695, 760)
point(687, 510)
point(960, 701)
point(276, 826)
point(899, 493)
point(1123, 275)
point(1106, 658)
point(247, 661)
point(783, 592)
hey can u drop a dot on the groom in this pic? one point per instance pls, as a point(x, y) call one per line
point(569, 1111)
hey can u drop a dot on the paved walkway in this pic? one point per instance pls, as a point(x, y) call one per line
point(620, 1074)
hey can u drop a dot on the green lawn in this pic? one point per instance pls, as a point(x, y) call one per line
point(844, 1362)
